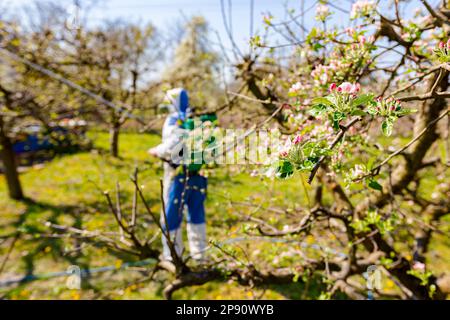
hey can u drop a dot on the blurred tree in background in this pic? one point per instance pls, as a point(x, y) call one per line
point(194, 65)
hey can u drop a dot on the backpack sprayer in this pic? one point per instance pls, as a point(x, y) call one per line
point(199, 137)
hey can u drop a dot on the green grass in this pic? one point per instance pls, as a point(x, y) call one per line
point(68, 191)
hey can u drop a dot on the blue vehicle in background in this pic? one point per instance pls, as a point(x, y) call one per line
point(31, 139)
point(38, 143)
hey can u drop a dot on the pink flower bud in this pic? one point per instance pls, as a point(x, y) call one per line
point(362, 40)
point(448, 44)
point(346, 87)
point(349, 88)
point(297, 139)
point(350, 32)
point(283, 154)
point(333, 87)
point(441, 45)
point(419, 266)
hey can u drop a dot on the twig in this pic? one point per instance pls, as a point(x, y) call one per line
point(134, 206)
point(8, 253)
point(376, 170)
point(332, 145)
point(119, 209)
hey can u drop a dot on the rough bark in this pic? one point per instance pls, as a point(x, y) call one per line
point(402, 176)
point(10, 167)
point(114, 131)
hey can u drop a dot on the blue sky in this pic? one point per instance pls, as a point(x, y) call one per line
point(162, 13)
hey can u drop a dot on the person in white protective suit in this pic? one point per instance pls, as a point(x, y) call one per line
point(182, 188)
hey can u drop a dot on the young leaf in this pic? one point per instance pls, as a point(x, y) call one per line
point(358, 112)
point(375, 185)
point(318, 110)
point(386, 127)
point(322, 100)
point(362, 100)
point(284, 170)
point(405, 112)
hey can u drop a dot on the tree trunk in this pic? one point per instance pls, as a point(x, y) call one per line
point(9, 164)
point(114, 139)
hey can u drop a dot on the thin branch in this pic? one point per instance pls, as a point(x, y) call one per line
point(376, 170)
point(336, 140)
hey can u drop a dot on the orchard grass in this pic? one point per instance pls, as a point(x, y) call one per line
point(67, 191)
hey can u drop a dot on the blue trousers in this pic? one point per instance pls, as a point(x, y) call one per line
point(191, 193)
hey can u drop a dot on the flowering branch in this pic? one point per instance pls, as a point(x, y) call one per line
point(340, 135)
point(376, 170)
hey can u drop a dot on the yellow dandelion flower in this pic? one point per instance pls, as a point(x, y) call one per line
point(75, 295)
point(390, 284)
point(310, 239)
point(118, 264)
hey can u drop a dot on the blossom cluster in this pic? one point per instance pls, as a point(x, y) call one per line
point(346, 88)
point(298, 89)
point(362, 8)
point(357, 172)
point(321, 74)
point(410, 32)
point(322, 12)
point(390, 109)
point(443, 51)
point(386, 107)
point(356, 55)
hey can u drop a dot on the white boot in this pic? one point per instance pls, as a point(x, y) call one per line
point(177, 239)
point(197, 240)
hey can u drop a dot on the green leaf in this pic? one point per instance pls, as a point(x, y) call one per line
point(336, 118)
point(385, 226)
point(443, 151)
point(386, 127)
point(358, 112)
point(360, 226)
point(318, 110)
point(317, 46)
point(362, 99)
point(375, 185)
point(370, 163)
point(284, 169)
point(372, 217)
point(404, 112)
point(322, 100)
point(372, 110)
